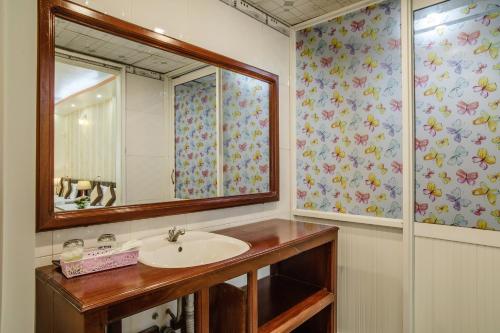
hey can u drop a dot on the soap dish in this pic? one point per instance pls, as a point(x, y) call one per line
point(97, 260)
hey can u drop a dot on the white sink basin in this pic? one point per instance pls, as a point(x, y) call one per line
point(192, 249)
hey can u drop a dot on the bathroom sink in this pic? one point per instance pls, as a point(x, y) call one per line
point(192, 249)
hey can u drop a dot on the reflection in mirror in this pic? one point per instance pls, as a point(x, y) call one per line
point(134, 124)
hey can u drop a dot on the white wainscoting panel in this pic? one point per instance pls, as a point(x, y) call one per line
point(457, 287)
point(370, 274)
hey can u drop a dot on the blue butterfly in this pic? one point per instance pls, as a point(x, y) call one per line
point(393, 188)
point(457, 158)
point(458, 89)
point(458, 131)
point(356, 179)
point(456, 198)
point(394, 211)
point(355, 159)
point(391, 126)
point(393, 148)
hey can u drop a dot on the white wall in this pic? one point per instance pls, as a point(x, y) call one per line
point(2, 48)
point(206, 23)
point(146, 140)
point(457, 287)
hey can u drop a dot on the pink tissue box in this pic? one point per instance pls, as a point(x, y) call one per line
point(95, 260)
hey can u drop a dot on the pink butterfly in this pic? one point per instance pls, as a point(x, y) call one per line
point(394, 43)
point(243, 189)
point(429, 174)
point(479, 210)
point(242, 146)
point(327, 115)
point(243, 103)
point(421, 208)
point(465, 177)
point(326, 62)
point(205, 173)
point(357, 25)
point(479, 140)
point(328, 168)
point(359, 82)
point(300, 93)
point(369, 166)
point(421, 144)
point(263, 168)
point(467, 108)
point(299, 45)
point(397, 167)
point(362, 197)
point(263, 122)
point(361, 139)
point(480, 68)
point(429, 109)
point(301, 144)
point(396, 105)
point(465, 38)
point(421, 81)
point(301, 194)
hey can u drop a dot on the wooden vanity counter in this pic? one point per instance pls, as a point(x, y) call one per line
point(303, 253)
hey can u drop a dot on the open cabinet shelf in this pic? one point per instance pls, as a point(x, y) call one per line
point(285, 303)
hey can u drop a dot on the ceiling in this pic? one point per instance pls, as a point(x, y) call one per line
point(294, 12)
point(80, 39)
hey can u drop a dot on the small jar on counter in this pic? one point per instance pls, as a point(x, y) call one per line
point(72, 250)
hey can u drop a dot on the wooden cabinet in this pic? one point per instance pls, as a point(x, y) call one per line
point(298, 296)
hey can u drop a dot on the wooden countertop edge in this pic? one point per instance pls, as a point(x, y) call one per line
point(42, 273)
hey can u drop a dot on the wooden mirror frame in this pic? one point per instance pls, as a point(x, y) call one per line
point(47, 219)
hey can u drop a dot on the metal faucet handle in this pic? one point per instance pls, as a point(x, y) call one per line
point(174, 233)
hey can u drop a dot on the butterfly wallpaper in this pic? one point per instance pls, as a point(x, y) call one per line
point(457, 99)
point(349, 114)
point(196, 139)
point(245, 116)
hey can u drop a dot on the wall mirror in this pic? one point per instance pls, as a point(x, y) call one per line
point(134, 124)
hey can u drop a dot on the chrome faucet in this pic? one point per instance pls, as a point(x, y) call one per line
point(173, 234)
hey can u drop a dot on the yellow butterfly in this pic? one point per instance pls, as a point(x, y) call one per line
point(433, 191)
point(484, 159)
point(379, 49)
point(488, 46)
point(307, 53)
point(434, 90)
point(308, 129)
point(340, 125)
point(445, 111)
point(345, 112)
point(434, 155)
point(468, 8)
point(309, 205)
point(316, 194)
point(338, 154)
point(343, 56)
point(446, 44)
point(370, 64)
point(346, 168)
point(339, 208)
point(315, 142)
point(481, 224)
point(316, 170)
point(371, 122)
point(338, 71)
point(337, 98)
point(373, 182)
point(382, 168)
point(315, 117)
point(444, 76)
point(433, 219)
point(256, 179)
point(444, 177)
point(442, 209)
point(381, 197)
point(484, 87)
point(372, 149)
point(312, 40)
point(379, 76)
point(343, 31)
point(314, 66)
point(494, 177)
point(336, 44)
point(494, 105)
point(488, 119)
point(309, 181)
point(372, 91)
point(347, 197)
point(311, 154)
point(377, 18)
point(380, 137)
point(490, 194)
point(443, 142)
point(496, 140)
point(370, 33)
point(374, 209)
point(433, 61)
point(440, 30)
point(433, 126)
point(308, 102)
point(341, 180)
point(347, 142)
point(339, 19)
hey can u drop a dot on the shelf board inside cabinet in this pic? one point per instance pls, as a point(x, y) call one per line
point(285, 303)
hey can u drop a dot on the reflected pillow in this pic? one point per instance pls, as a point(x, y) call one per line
point(66, 190)
point(74, 192)
point(96, 195)
point(108, 196)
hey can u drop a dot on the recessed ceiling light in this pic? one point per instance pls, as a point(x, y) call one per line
point(73, 105)
point(99, 95)
point(159, 30)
